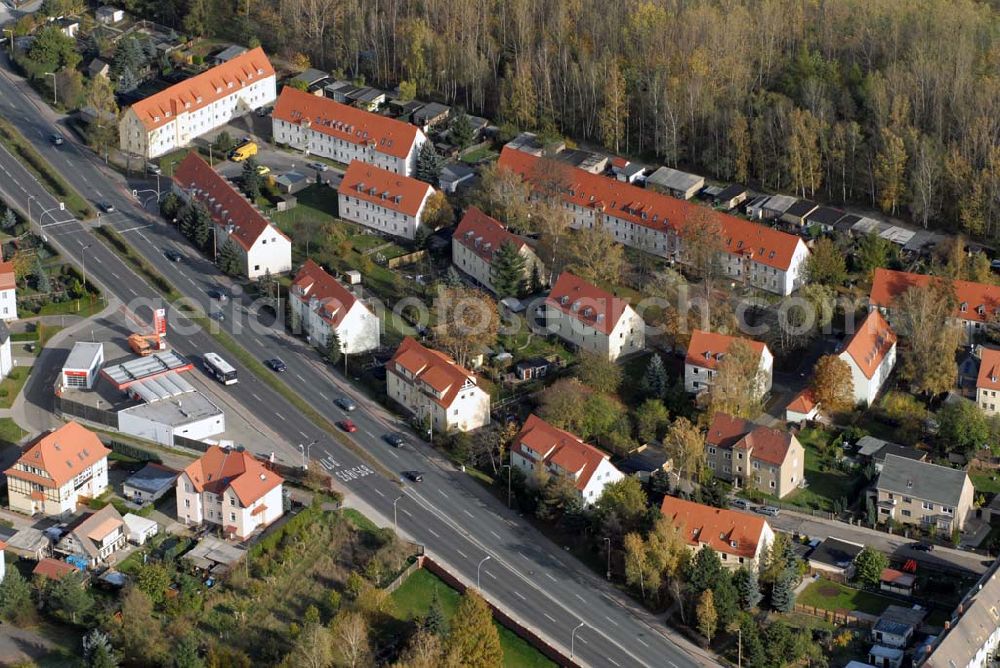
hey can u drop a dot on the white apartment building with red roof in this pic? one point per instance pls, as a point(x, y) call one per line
point(654, 222)
point(173, 117)
point(8, 292)
point(324, 127)
point(229, 488)
point(260, 245)
point(739, 538)
point(707, 349)
point(382, 200)
point(562, 453)
point(324, 305)
point(476, 241)
point(988, 381)
point(57, 471)
point(432, 386)
point(593, 319)
point(871, 355)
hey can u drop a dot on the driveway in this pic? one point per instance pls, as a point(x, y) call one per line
point(19, 646)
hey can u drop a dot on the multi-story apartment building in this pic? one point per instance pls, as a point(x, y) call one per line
point(323, 305)
point(562, 453)
point(57, 471)
point(382, 200)
point(175, 116)
point(971, 638)
point(230, 488)
point(915, 492)
point(749, 455)
point(8, 292)
point(988, 381)
point(738, 538)
point(477, 240)
point(707, 349)
point(432, 386)
point(593, 319)
point(321, 126)
point(260, 245)
point(871, 355)
point(655, 223)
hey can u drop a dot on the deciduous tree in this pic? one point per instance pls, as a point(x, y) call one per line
point(437, 213)
point(706, 615)
point(595, 256)
point(685, 444)
point(930, 337)
point(503, 194)
point(738, 383)
point(962, 427)
point(826, 264)
point(868, 566)
point(351, 645)
point(614, 110)
point(833, 385)
point(890, 171)
point(625, 498)
point(474, 641)
point(467, 322)
point(598, 372)
point(652, 419)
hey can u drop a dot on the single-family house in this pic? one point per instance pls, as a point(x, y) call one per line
point(675, 183)
point(324, 307)
point(230, 488)
point(738, 538)
point(730, 197)
point(797, 212)
point(593, 319)
point(802, 408)
point(430, 116)
point(110, 15)
point(53, 569)
point(8, 292)
point(382, 200)
point(93, 539)
point(914, 492)
point(172, 118)
point(833, 558)
point(707, 349)
point(972, 637)
point(324, 127)
point(988, 381)
point(139, 529)
point(539, 444)
point(753, 456)
point(871, 355)
point(454, 174)
point(432, 386)
point(475, 243)
point(627, 171)
point(58, 470)
point(149, 484)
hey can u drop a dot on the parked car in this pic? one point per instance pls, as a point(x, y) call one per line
point(218, 295)
point(263, 170)
point(153, 169)
point(348, 426)
point(319, 166)
point(770, 511)
point(275, 364)
point(414, 476)
point(345, 403)
point(56, 139)
point(740, 504)
point(395, 440)
point(173, 255)
point(107, 207)
point(922, 547)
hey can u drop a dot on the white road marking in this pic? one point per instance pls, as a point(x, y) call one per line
point(258, 342)
point(580, 597)
point(191, 281)
point(523, 556)
point(495, 535)
point(326, 398)
point(518, 594)
point(611, 620)
point(468, 513)
point(612, 661)
point(643, 642)
point(441, 492)
point(433, 533)
point(280, 416)
point(117, 277)
point(582, 639)
point(379, 492)
point(370, 435)
point(304, 435)
point(549, 576)
point(254, 395)
point(549, 617)
point(405, 512)
point(464, 555)
point(300, 378)
point(491, 575)
point(393, 453)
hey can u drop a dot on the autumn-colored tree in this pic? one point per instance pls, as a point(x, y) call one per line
point(652, 418)
point(595, 256)
point(520, 103)
point(930, 337)
point(737, 388)
point(348, 640)
point(437, 211)
point(832, 385)
point(614, 110)
point(638, 569)
point(706, 615)
point(685, 444)
point(562, 404)
point(424, 650)
point(473, 641)
point(804, 151)
point(503, 194)
point(701, 239)
point(552, 223)
point(890, 170)
point(598, 372)
point(467, 320)
point(826, 264)
point(738, 143)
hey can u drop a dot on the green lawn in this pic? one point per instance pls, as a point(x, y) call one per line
point(833, 596)
point(11, 386)
point(316, 204)
point(826, 483)
point(81, 307)
point(985, 482)
point(10, 432)
point(413, 600)
point(484, 153)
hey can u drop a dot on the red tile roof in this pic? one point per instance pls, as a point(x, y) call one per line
point(989, 369)
point(350, 124)
point(726, 430)
point(559, 448)
point(723, 530)
point(766, 444)
point(203, 89)
point(433, 367)
point(220, 469)
point(981, 301)
point(871, 343)
point(384, 188)
point(658, 211)
point(64, 454)
point(335, 299)
point(484, 235)
point(7, 276)
point(249, 223)
point(54, 569)
point(705, 348)
point(804, 402)
point(585, 302)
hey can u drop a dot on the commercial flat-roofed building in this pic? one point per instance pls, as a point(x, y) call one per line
point(83, 364)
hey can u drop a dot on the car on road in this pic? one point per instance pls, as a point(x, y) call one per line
point(345, 403)
point(218, 295)
point(57, 140)
point(740, 504)
point(319, 166)
point(173, 255)
point(218, 315)
point(263, 170)
point(348, 426)
point(395, 440)
point(153, 169)
point(922, 547)
point(770, 511)
point(275, 364)
point(107, 207)
point(414, 476)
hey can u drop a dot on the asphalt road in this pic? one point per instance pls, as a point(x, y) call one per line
point(458, 521)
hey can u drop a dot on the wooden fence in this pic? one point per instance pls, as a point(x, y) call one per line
point(409, 258)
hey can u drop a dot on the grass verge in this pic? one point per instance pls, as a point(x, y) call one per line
point(138, 263)
point(10, 432)
point(11, 386)
point(43, 171)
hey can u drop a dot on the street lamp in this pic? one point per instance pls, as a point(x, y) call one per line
point(305, 453)
point(510, 474)
point(479, 568)
point(395, 526)
point(52, 74)
point(83, 260)
point(609, 556)
point(572, 640)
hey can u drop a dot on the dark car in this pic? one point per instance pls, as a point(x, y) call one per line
point(922, 547)
point(219, 295)
point(107, 207)
point(348, 426)
point(395, 440)
point(57, 140)
point(414, 476)
point(276, 364)
point(345, 403)
point(173, 255)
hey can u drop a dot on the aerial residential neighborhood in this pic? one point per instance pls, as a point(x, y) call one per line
point(500, 334)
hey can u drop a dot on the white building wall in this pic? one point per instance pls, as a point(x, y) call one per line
point(698, 378)
point(470, 409)
point(8, 305)
point(6, 358)
point(319, 143)
point(158, 432)
point(359, 331)
point(605, 474)
point(379, 218)
point(189, 502)
point(628, 335)
point(865, 389)
point(68, 495)
point(272, 251)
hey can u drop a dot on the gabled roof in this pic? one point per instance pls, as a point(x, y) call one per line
point(88, 532)
point(731, 191)
point(335, 300)
point(871, 343)
point(766, 444)
point(982, 302)
point(203, 89)
point(972, 625)
point(707, 349)
point(824, 215)
point(433, 367)
point(225, 204)
point(7, 277)
point(804, 402)
point(559, 448)
point(384, 188)
point(835, 552)
point(587, 303)
point(220, 469)
point(922, 480)
point(800, 208)
point(484, 235)
point(721, 529)
point(54, 569)
point(726, 430)
point(350, 124)
point(989, 369)
point(63, 454)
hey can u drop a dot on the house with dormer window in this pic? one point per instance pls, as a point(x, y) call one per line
point(57, 471)
point(706, 351)
point(593, 319)
point(94, 538)
point(475, 243)
point(988, 382)
point(738, 538)
point(325, 306)
point(539, 444)
point(432, 386)
point(382, 200)
point(871, 355)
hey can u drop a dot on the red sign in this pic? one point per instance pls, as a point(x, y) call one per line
point(76, 374)
point(160, 321)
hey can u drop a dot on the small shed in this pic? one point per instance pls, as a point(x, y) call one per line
point(454, 175)
point(139, 529)
point(530, 369)
point(834, 559)
point(824, 216)
point(774, 207)
point(797, 212)
point(730, 197)
point(627, 171)
point(292, 182)
point(309, 77)
point(228, 53)
point(97, 68)
point(885, 657)
point(54, 569)
point(897, 582)
point(802, 408)
point(109, 15)
point(676, 183)
point(430, 115)
point(149, 484)
point(30, 543)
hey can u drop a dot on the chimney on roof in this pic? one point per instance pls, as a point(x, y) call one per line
point(909, 484)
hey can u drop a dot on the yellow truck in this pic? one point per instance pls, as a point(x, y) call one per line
point(243, 151)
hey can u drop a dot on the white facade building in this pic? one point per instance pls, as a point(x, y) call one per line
point(477, 239)
point(740, 539)
point(323, 305)
point(189, 415)
point(6, 356)
point(706, 350)
point(988, 381)
point(593, 319)
point(871, 355)
point(8, 292)
point(174, 117)
point(382, 200)
point(83, 365)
